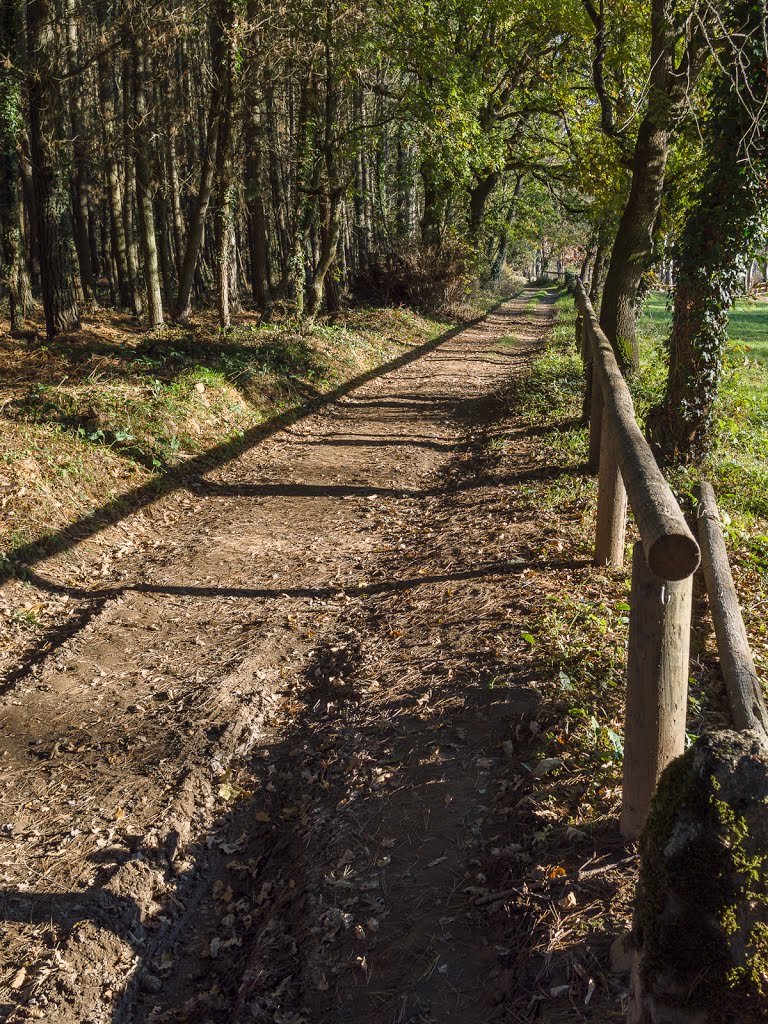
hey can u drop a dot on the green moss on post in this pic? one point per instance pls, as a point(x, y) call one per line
point(701, 915)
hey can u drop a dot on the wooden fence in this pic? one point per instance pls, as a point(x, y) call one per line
point(663, 564)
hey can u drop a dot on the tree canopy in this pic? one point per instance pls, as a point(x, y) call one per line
point(155, 156)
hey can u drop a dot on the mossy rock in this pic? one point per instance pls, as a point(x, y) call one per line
point(701, 912)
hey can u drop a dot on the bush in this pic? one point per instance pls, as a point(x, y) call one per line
point(427, 277)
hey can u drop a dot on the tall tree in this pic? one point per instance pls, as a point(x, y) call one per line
point(722, 231)
point(126, 282)
point(13, 270)
point(220, 24)
point(80, 214)
point(50, 168)
point(146, 218)
point(676, 57)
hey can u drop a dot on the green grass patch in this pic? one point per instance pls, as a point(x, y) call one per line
point(550, 399)
point(737, 465)
point(577, 622)
point(747, 324)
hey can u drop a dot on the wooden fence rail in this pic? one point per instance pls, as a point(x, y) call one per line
point(662, 567)
point(670, 548)
point(745, 694)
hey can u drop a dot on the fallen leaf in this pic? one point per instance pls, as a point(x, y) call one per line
point(547, 765)
point(228, 792)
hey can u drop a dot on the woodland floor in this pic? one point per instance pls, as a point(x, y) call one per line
point(283, 768)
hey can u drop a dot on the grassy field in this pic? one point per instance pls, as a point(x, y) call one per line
point(738, 461)
point(747, 326)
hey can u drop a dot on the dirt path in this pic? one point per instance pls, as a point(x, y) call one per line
point(256, 785)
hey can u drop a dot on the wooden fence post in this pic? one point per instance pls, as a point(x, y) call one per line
point(594, 398)
point(611, 500)
point(657, 685)
point(595, 414)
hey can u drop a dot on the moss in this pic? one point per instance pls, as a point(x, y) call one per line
point(752, 976)
point(728, 921)
point(700, 872)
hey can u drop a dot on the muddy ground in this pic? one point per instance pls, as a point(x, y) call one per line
point(280, 769)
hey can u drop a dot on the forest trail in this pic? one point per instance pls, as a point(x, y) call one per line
point(257, 784)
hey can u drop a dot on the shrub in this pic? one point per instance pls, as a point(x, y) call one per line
point(431, 278)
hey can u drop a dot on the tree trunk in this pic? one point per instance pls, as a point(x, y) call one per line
point(434, 201)
point(219, 24)
point(362, 225)
point(478, 197)
point(586, 264)
point(129, 192)
point(52, 213)
point(79, 161)
point(329, 242)
point(330, 229)
point(146, 218)
point(633, 246)
point(93, 239)
point(668, 91)
point(126, 285)
point(599, 267)
point(276, 182)
point(178, 216)
point(257, 223)
point(10, 193)
point(501, 256)
point(406, 217)
point(165, 247)
point(224, 260)
point(723, 225)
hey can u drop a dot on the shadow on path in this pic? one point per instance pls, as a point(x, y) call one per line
point(119, 508)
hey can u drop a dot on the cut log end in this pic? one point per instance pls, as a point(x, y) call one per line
point(674, 556)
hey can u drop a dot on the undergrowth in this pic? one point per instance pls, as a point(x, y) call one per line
point(737, 464)
point(583, 635)
point(578, 635)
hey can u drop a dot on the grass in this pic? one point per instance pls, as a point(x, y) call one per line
point(580, 634)
point(580, 629)
point(747, 324)
point(577, 622)
point(738, 463)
